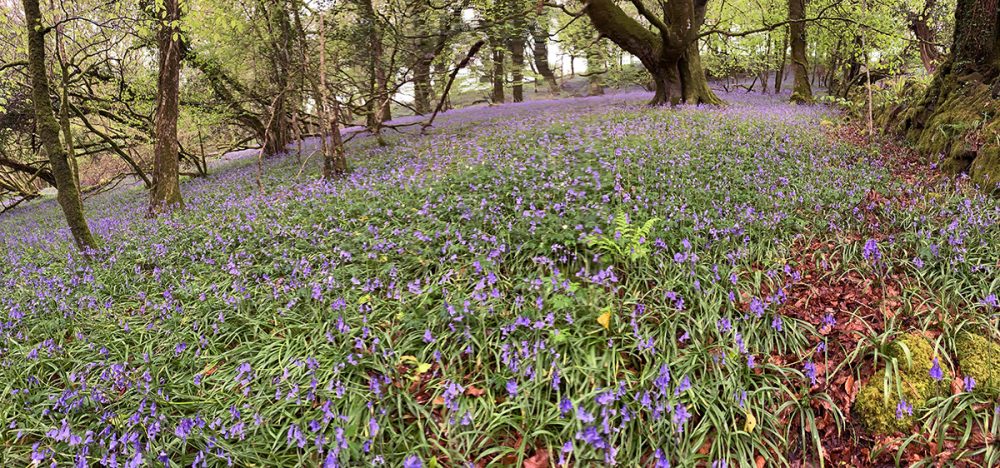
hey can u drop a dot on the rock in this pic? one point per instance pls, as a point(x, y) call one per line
point(914, 356)
point(979, 358)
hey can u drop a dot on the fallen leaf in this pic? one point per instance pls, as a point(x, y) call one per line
point(604, 319)
point(751, 422)
point(539, 460)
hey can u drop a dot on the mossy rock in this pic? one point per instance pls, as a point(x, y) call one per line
point(914, 358)
point(914, 354)
point(985, 170)
point(980, 359)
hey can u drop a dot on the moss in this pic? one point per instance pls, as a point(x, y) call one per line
point(985, 170)
point(877, 413)
point(914, 356)
point(980, 359)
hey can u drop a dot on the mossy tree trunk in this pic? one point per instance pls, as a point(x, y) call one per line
point(801, 90)
point(69, 197)
point(278, 133)
point(948, 118)
point(498, 76)
point(422, 84)
point(670, 54)
point(516, 47)
point(166, 192)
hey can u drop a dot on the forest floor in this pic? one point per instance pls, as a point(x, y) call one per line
point(581, 281)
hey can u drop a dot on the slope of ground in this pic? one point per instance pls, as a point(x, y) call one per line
point(580, 281)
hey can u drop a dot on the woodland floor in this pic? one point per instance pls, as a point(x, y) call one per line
point(584, 281)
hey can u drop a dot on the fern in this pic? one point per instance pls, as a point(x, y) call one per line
point(627, 244)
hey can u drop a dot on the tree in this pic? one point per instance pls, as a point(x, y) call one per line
point(166, 192)
point(670, 54)
point(540, 51)
point(801, 91)
point(334, 161)
point(960, 96)
point(926, 37)
point(48, 130)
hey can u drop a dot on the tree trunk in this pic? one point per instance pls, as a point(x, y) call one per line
point(693, 81)
point(334, 161)
point(671, 56)
point(596, 68)
point(278, 135)
point(975, 45)
point(964, 89)
point(764, 73)
point(801, 90)
point(498, 76)
point(378, 99)
point(540, 53)
point(166, 192)
point(422, 84)
point(516, 46)
point(48, 131)
point(929, 54)
point(779, 73)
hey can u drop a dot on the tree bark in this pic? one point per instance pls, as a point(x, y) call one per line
point(516, 47)
point(801, 90)
point(779, 72)
point(975, 45)
point(422, 84)
point(278, 134)
point(166, 193)
point(48, 131)
point(540, 53)
point(964, 89)
point(498, 76)
point(378, 99)
point(334, 160)
point(670, 55)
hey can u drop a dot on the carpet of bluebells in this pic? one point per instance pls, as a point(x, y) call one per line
point(582, 282)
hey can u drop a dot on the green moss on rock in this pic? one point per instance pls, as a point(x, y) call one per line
point(985, 170)
point(914, 358)
point(980, 359)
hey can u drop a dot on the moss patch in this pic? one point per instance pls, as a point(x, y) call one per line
point(876, 409)
point(980, 359)
point(955, 119)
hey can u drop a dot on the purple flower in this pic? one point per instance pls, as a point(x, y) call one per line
point(829, 320)
point(936, 372)
point(683, 387)
point(512, 388)
point(565, 406)
point(413, 461)
point(970, 383)
point(810, 369)
point(681, 416)
point(661, 459)
point(903, 409)
point(871, 251)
